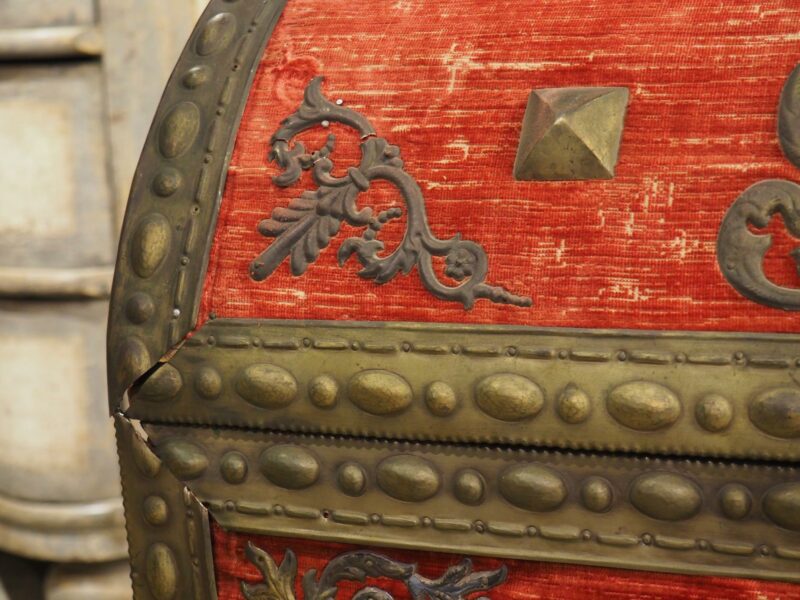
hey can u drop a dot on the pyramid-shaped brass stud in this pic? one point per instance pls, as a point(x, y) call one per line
point(571, 134)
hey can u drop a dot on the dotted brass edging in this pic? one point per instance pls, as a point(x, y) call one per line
point(685, 516)
point(178, 187)
point(618, 391)
point(168, 530)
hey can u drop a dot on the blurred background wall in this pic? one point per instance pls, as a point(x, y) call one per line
point(79, 84)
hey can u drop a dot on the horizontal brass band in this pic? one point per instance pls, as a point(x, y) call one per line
point(657, 393)
point(168, 530)
point(680, 516)
point(172, 211)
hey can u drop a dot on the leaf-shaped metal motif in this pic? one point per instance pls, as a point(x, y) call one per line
point(278, 581)
point(457, 583)
point(307, 225)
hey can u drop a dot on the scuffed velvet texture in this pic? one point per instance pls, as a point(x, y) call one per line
point(448, 81)
point(526, 580)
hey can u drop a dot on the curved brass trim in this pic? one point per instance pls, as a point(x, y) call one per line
point(178, 187)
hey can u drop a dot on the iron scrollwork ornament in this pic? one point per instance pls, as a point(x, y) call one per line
point(305, 228)
point(457, 583)
point(741, 252)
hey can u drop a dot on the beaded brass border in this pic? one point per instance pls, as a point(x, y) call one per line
point(178, 186)
point(656, 393)
point(668, 515)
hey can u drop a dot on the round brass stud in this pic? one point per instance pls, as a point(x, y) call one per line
point(533, 487)
point(644, 406)
point(470, 487)
point(777, 412)
point(323, 391)
point(352, 479)
point(184, 459)
point(509, 397)
point(162, 572)
point(408, 478)
point(380, 392)
point(139, 308)
point(735, 501)
point(233, 467)
point(782, 505)
point(148, 463)
point(179, 130)
point(155, 510)
point(197, 77)
point(208, 383)
point(574, 405)
point(597, 494)
point(290, 467)
point(167, 182)
point(714, 413)
point(666, 496)
point(440, 398)
point(267, 386)
point(162, 385)
point(216, 35)
point(150, 245)
point(133, 360)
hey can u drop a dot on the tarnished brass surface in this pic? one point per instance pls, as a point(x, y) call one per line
point(571, 134)
point(741, 252)
point(668, 515)
point(789, 118)
point(173, 207)
point(168, 533)
point(651, 392)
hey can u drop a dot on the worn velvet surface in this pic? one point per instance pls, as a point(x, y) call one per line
point(448, 81)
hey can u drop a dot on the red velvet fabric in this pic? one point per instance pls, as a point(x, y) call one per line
point(448, 81)
point(526, 580)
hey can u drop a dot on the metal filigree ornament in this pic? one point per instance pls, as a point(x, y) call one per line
point(457, 583)
point(741, 252)
point(305, 228)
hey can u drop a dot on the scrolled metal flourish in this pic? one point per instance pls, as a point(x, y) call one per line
point(305, 228)
point(457, 583)
point(741, 252)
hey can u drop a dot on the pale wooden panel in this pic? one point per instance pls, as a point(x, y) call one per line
point(56, 440)
point(40, 13)
point(55, 206)
point(143, 39)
